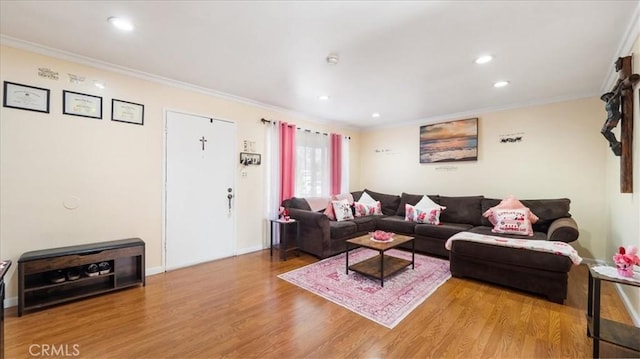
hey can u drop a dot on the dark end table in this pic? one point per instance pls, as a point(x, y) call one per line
point(286, 243)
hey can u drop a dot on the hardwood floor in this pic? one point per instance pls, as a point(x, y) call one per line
point(238, 308)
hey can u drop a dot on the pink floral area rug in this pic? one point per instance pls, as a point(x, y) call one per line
point(388, 305)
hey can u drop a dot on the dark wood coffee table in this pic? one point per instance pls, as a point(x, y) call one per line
point(380, 266)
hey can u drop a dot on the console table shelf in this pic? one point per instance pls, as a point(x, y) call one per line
point(126, 260)
point(601, 329)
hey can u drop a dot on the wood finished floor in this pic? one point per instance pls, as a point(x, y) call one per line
point(238, 308)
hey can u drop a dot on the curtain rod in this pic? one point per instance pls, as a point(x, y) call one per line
point(301, 129)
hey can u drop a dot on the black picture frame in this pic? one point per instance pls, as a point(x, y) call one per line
point(25, 97)
point(250, 159)
point(127, 112)
point(81, 104)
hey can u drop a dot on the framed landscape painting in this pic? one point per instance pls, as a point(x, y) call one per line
point(449, 141)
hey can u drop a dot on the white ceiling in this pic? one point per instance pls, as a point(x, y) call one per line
point(409, 61)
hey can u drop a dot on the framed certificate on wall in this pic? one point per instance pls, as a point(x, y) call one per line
point(129, 112)
point(25, 97)
point(80, 104)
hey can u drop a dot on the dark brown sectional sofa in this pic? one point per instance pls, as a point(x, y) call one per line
point(536, 272)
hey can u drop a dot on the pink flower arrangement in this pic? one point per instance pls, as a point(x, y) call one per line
point(625, 259)
point(382, 236)
point(284, 213)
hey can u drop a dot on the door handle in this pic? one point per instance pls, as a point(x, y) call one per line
point(229, 197)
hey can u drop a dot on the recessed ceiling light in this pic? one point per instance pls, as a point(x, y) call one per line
point(375, 114)
point(323, 97)
point(501, 84)
point(483, 59)
point(120, 23)
point(99, 84)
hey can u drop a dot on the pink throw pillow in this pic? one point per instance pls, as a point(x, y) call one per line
point(511, 202)
point(513, 221)
point(329, 212)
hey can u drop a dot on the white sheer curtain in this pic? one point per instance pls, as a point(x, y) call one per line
point(272, 169)
point(344, 182)
point(312, 164)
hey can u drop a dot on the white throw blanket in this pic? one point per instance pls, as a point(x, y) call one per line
point(317, 203)
point(555, 247)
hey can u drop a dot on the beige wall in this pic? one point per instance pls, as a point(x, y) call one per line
point(114, 169)
point(561, 155)
point(623, 210)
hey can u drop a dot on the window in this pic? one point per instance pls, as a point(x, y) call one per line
point(312, 164)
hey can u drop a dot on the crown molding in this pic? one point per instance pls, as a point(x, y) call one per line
point(624, 49)
point(480, 111)
point(83, 60)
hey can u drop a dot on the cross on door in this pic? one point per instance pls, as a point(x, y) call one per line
point(203, 140)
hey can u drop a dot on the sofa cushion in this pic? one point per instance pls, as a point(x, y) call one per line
point(467, 210)
point(412, 199)
point(395, 224)
point(389, 202)
point(547, 211)
point(365, 224)
point(300, 203)
point(442, 231)
point(512, 256)
point(486, 230)
point(342, 229)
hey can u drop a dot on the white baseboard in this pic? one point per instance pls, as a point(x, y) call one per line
point(153, 271)
point(635, 316)
point(10, 302)
point(248, 250)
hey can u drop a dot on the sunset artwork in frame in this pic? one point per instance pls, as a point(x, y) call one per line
point(452, 141)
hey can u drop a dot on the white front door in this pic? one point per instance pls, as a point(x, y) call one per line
point(200, 175)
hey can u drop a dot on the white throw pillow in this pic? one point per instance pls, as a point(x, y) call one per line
point(426, 203)
point(367, 199)
point(414, 214)
point(362, 209)
point(342, 209)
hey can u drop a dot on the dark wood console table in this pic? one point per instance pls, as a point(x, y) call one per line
point(124, 264)
point(609, 331)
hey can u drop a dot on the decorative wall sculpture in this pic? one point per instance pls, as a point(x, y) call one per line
point(619, 106)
